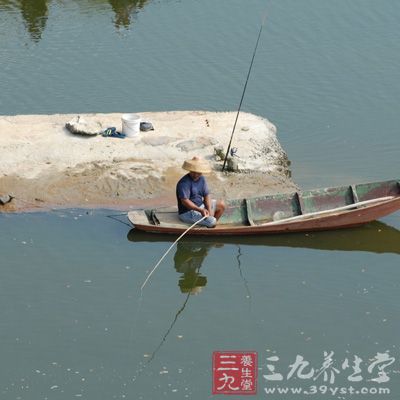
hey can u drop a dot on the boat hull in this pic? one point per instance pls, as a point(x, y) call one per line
point(350, 215)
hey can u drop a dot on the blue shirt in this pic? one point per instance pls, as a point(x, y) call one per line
point(195, 191)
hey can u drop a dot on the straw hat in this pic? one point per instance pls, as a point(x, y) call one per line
point(197, 164)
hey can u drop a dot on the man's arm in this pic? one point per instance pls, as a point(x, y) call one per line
point(191, 206)
point(207, 203)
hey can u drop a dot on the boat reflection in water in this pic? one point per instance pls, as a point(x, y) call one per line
point(375, 237)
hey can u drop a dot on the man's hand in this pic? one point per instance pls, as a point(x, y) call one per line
point(204, 212)
point(191, 206)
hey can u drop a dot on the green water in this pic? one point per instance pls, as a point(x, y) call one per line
point(326, 72)
point(73, 321)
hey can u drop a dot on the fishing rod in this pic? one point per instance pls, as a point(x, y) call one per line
point(169, 249)
point(244, 91)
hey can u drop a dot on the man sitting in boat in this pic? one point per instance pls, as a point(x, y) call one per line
point(194, 201)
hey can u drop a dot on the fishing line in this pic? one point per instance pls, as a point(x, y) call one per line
point(118, 220)
point(244, 91)
point(242, 276)
point(140, 370)
point(172, 245)
point(164, 338)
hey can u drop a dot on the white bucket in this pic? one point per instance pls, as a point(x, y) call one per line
point(130, 124)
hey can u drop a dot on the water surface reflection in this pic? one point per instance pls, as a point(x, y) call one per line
point(376, 237)
point(192, 251)
point(188, 259)
point(33, 12)
point(36, 12)
point(124, 9)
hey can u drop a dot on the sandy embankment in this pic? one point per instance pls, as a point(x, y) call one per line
point(43, 165)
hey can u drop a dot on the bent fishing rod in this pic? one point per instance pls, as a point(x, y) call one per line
point(244, 91)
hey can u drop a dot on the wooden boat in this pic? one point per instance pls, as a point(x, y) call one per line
point(312, 210)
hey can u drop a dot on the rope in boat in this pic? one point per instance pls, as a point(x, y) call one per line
point(172, 245)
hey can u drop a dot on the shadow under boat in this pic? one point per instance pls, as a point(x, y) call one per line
point(375, 237)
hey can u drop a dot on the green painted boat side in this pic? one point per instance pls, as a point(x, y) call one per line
point(253, 215)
